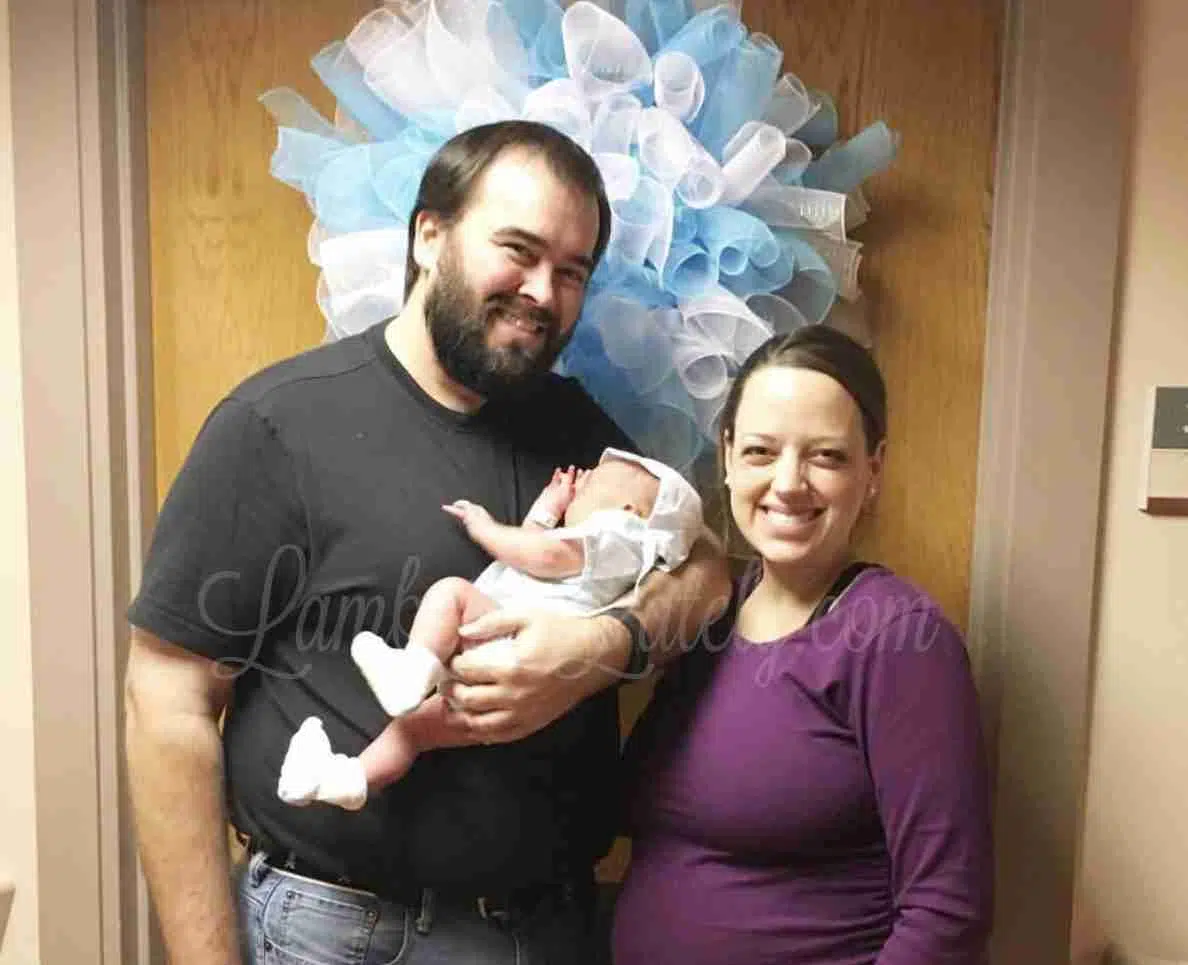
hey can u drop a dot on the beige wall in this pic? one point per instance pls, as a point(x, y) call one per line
point(18, 831)
point(1134, 876)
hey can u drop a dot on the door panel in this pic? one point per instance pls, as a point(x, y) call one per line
point(930, 70)
point(232, 287)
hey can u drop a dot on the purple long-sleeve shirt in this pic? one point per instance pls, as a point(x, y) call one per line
point(817, 800)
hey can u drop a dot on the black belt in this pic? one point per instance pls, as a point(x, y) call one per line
point(506, 907)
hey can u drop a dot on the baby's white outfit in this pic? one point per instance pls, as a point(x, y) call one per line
point(619, 549)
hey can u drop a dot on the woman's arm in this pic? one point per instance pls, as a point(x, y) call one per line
point(677, 608)
point(919, 724)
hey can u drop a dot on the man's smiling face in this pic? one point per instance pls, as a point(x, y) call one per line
point(509, 276)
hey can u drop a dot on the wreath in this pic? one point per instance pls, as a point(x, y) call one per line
point(732, 196)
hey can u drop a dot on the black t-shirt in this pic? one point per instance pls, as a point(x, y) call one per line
point(310, 508)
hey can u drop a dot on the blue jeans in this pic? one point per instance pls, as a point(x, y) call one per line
point(287, 919)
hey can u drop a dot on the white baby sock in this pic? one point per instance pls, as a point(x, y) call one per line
point(400, 679)
point(311, 771)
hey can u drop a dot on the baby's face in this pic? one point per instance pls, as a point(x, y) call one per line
point(614, 484)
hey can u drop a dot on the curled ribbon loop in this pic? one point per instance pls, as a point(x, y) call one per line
point(620, 175)
point(680, 88)
point(560, 104)
point(750, 156)
point(844, 167)
point(615, 123)
point(791, 105)
point(342, 73)
point(603, 55)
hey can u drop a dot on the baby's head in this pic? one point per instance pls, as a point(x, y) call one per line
point(613, 484)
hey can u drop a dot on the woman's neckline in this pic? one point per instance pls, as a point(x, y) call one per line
point(810, 619)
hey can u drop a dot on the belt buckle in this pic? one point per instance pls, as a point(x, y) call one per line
point(489, 910)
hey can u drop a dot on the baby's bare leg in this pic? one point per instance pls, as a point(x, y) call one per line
point(448, 604)
point(402, 678)
point(388, 758)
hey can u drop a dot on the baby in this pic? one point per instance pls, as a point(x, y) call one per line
point(621, 519)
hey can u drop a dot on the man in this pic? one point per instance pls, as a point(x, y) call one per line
point(309, 509)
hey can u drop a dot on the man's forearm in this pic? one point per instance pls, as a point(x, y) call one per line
point(175, 770)
point(676, 608)
point(673, 608)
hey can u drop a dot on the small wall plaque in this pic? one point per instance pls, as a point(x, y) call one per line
point(1164, 486)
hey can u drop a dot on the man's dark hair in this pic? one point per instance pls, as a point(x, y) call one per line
point(450, 181)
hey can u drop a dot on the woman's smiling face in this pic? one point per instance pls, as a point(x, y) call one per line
point(799, 471)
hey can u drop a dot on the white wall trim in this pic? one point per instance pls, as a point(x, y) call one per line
point(78, 155)
point(1063, 133)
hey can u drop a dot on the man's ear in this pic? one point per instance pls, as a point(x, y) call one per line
point(427, 240)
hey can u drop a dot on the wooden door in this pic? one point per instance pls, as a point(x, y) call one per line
point(233, 290)
point(232, 287)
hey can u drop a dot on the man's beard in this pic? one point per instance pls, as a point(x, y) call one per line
point(459, 322)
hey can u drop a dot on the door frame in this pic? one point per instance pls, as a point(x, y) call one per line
point(81, 221)
point(79, 176)
point(1060, 192)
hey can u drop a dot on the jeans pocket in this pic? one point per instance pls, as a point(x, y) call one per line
point(304, 923)
point(253, 885)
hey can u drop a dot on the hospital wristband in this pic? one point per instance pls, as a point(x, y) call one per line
point(542, 517)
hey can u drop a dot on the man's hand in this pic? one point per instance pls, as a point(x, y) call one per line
point(505, 689)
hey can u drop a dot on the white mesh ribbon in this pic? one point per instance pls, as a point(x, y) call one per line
point(357, 287)
point(731, 195)
point(680, 88)
point(602, 53)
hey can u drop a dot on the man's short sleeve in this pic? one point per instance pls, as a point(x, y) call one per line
point(229, 551)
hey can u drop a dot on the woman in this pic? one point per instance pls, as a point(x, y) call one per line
point(810, 787)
